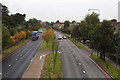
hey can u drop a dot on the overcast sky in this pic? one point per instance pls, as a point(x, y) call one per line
point(52, 10)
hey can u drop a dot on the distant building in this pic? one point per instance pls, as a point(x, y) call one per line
point(119, 11)
point(60, 25)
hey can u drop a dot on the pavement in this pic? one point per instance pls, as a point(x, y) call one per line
point(75, 62)
point(35, 67)
point(16, 64)
point(106, 58)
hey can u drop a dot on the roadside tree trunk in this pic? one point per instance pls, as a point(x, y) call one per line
point(100, 55)
point(103, 56)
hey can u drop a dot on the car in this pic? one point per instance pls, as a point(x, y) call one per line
point(59, 37)
point(64, 37)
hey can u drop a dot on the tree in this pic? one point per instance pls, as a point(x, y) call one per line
point(29, 33)
point(88, 25)
point(75, 32)
point(46, 36)
point(12, 40)
point(33, 24)
point(17, 19)
point(17, 36)
point(5, 16)
point(92, 20)
point(102, 38)
point(66, 25)
point(57, 21)
point(13, 31)
point(5, 36)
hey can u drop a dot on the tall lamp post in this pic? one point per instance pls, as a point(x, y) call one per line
point(95, 10)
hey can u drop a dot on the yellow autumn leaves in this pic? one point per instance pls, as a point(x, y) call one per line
point(47, 35)
point(17, 37)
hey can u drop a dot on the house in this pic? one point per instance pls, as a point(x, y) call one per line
point(60, 25)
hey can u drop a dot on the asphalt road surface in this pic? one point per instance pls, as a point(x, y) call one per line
point(16, 64)
point(75, 62)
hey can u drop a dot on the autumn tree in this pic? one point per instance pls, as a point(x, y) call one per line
point(47, 35)
point(28, 33)
point(12, 40)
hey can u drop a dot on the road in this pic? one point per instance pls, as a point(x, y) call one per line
point(76, 63)
point(16, 64)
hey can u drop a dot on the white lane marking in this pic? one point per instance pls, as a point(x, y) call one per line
point(0, 73)
point(84, 72)
point(16, 59)
point(40, 57)
point(9, 65)
point(80, 64)
point(76, 57)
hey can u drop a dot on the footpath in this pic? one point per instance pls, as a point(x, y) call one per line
point(107, 59)
point(35, 67)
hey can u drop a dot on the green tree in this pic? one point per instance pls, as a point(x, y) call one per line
point(5, 16)
point(33, 24)
point(17, 19)
point(102, 38)
point(13, 31)
point(5, 36)
point(66, 25)
point(57, 21)
point(88, 25)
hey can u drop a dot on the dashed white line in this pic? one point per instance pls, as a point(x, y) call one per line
point(9, 65)
point(76, 57)
point(80, 64)
point(84, 72)
point(16, 59)
point(0, 73)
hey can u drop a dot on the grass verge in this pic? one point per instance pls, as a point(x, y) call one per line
point(112, 70)
point(78, 44)
point(11, 49)
point(43, 29)
point(49, 71)
point(50, 44)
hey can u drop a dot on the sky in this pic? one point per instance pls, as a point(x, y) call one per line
point(53, 10)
